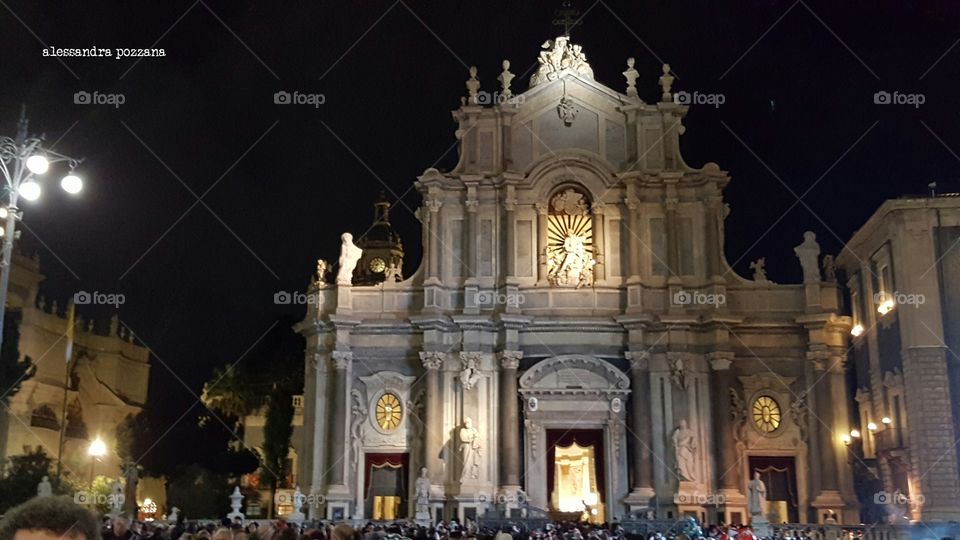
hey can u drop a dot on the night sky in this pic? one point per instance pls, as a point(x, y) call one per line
point(278, 184)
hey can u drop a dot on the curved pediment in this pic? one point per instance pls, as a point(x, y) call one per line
point(574, 372)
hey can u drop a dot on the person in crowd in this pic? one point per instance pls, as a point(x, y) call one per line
point(49, 518)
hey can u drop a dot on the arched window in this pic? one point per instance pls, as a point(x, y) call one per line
point(570, 238)
point(44, 417)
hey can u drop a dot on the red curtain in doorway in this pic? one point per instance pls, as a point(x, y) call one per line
point(379, 461)
point(583, 437)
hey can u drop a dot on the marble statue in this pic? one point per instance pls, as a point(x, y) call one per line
point(469, 451)
point(757, 498)
point(829, 269)
point(557, 55)
point(44, 489)
point(321, 271)
point(174, 516)
point(505, 79)
point(666, 83)
point(759, 272)
point(685, 448)
point(236, 503)
point(392, 274)
point(473, 86)
point(631, 75)
point(299, 499)
point(422, 498)
point(808, 252)
point(116, 497)
point(349, 255)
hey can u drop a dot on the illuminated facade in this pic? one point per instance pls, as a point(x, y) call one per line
point(574, 339)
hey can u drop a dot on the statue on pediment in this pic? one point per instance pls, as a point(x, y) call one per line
point(559, 54)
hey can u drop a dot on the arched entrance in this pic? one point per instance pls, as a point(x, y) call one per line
point(575, 448)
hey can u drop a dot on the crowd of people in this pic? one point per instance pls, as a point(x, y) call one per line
point(57, 518)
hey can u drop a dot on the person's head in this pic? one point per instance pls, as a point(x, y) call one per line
point(286, 533)
point(343, 532)
point(49, 518)
point(222, 534)
point(120, 525)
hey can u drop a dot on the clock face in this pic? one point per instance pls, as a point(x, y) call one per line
point(766, 414)
point(377, 265)
point(388, 412)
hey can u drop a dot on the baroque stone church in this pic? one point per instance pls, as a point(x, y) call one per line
point(574, 340)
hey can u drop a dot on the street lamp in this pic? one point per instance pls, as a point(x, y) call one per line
point(96, 450)
point(22, 160)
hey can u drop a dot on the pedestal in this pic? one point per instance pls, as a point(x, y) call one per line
point(761, 527)
point(639, 500)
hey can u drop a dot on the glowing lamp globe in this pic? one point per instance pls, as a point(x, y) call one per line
point(98, 448)
point(38, 164)
point(30, 190)
point(72, 184)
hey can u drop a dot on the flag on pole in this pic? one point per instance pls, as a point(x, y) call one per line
point(71, 315)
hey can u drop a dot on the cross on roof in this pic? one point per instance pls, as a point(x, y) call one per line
point(566, 17)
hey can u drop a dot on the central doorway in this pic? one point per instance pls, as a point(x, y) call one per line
point(386, 486)
point(779, 474)
point(575, 474)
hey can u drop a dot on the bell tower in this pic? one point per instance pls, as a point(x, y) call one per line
point(382, 258)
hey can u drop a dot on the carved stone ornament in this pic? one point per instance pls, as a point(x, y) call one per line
point(470, 374)
point(738, 414)
point(570, 202)
point(432, 359)
point(510, 359)
point(557, 55)
point(678, 369)
point(638, 359)
point(533, 432)
point(359, 416)
point(567, 111)
point(341, 359)
point(799, 410)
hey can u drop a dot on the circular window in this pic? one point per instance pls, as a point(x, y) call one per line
point(388, 412)
point(766, 414)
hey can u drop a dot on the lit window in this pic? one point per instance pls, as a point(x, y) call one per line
point(766, 414)
point(388, 412)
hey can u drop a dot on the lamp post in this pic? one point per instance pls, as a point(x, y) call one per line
point(97, 450)
point(22, 160)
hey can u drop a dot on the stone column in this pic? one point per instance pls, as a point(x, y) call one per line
point(713, 252)
point(673, 248)
point(510, 207)
point(473, 266)
point(635, 240)
point(336, 460)
point(721, 382)
point(640, 426)
point(433, 423)
point(433, 266)
point(509, 420)
point(825, 405)
point(542, 208)
point(599, 270)
point(825, 367)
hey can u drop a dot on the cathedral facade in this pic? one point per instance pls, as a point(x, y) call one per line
point(574, 340)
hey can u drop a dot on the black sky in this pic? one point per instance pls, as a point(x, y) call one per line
point(798, 77)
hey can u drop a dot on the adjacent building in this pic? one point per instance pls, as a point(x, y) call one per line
point(85, 398)
point(903, 277)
